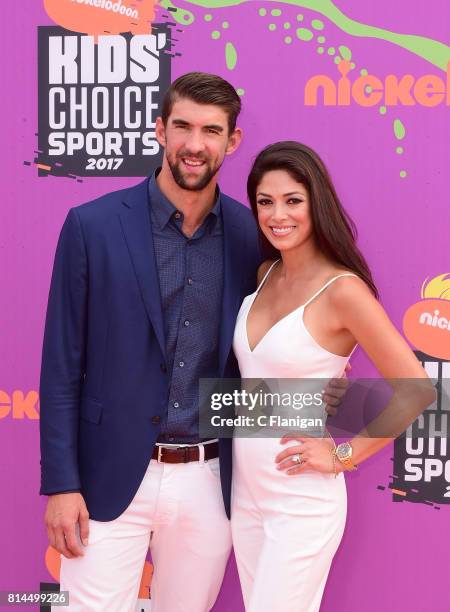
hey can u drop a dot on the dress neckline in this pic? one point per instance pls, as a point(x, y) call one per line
point(289, 314)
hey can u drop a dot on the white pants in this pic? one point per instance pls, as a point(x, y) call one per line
point(178, 511)
point(285, 529)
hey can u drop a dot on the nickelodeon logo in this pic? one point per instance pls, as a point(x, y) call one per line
point(435, 321)
point(426, 324)
point(368, 90)
point(19, 405)
point(99, 17)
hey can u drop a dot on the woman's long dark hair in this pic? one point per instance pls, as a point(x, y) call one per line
point(334, 230)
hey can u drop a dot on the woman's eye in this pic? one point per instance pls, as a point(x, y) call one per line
point(263, 202)
point(294, 201)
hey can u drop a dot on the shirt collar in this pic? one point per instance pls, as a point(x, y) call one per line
point(163, 208)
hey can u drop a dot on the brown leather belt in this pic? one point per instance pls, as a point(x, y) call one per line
point(184, 454)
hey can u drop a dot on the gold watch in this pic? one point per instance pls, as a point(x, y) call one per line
point(344, 453)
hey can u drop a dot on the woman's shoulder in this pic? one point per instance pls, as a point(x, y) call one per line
point(346, 286)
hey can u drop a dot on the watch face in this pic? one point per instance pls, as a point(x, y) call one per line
point(344, 450)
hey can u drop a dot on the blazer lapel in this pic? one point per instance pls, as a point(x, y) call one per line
point(137, 229)
point(234, 249)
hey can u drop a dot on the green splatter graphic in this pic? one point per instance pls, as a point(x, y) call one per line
point(363, 72)
point(304, 34)
point(382, 110)
point(399, 129)
point(286, 25)
point(230, 55)
point(262, 12)
point(225, 25)
point(275, 12)
point(240, 91)
point(403, 174)
point(300, 17)
point(345, 52)
point(317, 24)
point(337, 59)
point(208, 17)
point(180, 15)
point(432, 51)
point(331, 51)
point(399, 150)
point(321, 39)
point(288, 40)
point(320, 50)
point(215, 34)
point(353, 65)
point(272, 26)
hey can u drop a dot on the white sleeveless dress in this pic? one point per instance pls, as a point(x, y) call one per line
point(286, 529)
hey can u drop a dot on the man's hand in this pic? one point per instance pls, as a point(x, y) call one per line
point(64, 512)
point(335, 391)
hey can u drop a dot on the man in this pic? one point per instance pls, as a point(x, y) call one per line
point(146, 287)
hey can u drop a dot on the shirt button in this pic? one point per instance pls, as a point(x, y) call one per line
point(190, 281)
point(156, 419)
point(186, 323)
point(176, 405)
point(171, 439)
point(181, 364)
point(177, 215)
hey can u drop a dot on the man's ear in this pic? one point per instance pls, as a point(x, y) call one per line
point(234, 140)
point(160, 131)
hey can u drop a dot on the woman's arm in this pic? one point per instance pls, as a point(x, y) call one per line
point(365, 318)
point(360, 313)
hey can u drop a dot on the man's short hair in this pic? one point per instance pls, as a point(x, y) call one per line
point(203, 88)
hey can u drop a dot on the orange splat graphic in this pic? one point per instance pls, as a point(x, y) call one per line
point(344, 67)
point(427, 323)
point(109, 17)
point(53, 562)
point(146, 580)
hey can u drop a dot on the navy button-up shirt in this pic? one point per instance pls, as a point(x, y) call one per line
point(191, 282)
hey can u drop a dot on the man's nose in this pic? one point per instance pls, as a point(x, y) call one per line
point(195, 143)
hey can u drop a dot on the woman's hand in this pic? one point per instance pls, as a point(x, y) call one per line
point(316, 454)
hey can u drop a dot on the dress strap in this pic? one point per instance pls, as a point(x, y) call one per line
point(326, 285)
point(266, 275)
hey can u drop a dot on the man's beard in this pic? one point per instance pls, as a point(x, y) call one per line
point(202, 181)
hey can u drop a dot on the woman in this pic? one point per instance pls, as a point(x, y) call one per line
point(315, 302)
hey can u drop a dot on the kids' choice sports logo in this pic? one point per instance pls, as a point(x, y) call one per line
point(369, 90)
point(96, 17)
point(103, 73)
point(427, 323)
point(422, 455)
point(98, 101)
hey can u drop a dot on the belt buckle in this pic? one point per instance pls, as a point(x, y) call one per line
point(159, 460)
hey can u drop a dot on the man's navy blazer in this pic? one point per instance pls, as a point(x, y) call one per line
point(104, 383)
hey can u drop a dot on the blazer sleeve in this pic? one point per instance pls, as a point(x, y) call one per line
point(63, 361)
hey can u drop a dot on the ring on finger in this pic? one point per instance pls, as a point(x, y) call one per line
point(297, 458)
